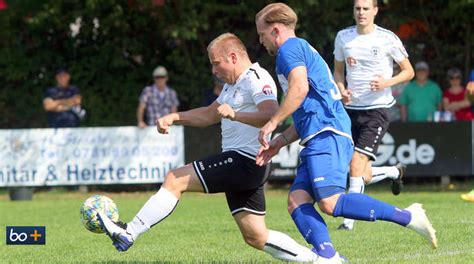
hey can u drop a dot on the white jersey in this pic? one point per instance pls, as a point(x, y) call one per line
point(254, 86)
point(365, 57)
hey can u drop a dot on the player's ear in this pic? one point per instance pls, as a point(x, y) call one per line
point(233, 57)
point(274, 31)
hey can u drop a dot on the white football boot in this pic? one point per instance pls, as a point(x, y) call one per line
point(420, 224)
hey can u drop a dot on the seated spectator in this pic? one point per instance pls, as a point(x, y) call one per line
point(210, 95)
point(421, 98)
point(63, 102)
point(156, 100)
point(397, 90)
point(454, 97)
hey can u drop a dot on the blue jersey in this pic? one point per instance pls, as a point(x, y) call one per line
point(322, 109)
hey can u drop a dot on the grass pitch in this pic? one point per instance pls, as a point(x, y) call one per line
point(202, 230)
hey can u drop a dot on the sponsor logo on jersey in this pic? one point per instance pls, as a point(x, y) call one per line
point(201, 165)
point(267, 89)
point(318, 179)
point(375, 51)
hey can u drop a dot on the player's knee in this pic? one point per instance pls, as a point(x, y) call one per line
point(296, 199)
point(293, 203)
point(327, 205)
point(171, 183)
point(326, 208)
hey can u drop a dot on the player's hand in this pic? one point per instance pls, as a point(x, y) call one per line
point(264, 155)
point(266, 130)
point(470, 87)
point(225, 111)
point(346, 96)
point(163, 124)
point(378, 84)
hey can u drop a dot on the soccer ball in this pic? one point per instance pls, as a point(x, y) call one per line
point(94, 204)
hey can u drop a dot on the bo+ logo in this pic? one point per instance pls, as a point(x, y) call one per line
point(26, 235)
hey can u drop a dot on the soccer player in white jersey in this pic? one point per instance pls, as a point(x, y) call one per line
point(247, 102)
point(367, 52)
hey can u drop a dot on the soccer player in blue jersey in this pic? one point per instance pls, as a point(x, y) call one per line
point(324, 128)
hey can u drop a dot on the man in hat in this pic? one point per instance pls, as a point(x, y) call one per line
point(156, 100)
point(63, 102)
point(422, 97)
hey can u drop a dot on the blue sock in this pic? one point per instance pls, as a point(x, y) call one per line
point(314, 230)
point(363, 207)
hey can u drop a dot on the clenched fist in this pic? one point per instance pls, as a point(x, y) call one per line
point(225, 111)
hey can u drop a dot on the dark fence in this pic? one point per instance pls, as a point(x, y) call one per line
point(428, 149)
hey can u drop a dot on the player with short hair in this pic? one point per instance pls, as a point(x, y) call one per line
point(367, 52)
point(324, 128)
point(247, 102)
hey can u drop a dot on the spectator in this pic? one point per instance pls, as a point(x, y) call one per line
point(421, 98)
point(210, 95)
point(63, 102)
point(397, 90)
point(156, 100)
point(454, 97)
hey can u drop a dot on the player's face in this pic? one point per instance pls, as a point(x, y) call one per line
point(222, 66)
point(266, 37)
point(364, 12)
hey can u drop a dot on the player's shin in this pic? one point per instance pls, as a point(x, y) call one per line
point(356, 185)
point(157, 208)
point(283, 247)
point(314, 230)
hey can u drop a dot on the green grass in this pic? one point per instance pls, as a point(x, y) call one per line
point(202, 230)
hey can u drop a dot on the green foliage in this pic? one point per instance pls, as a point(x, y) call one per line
point(112, 62)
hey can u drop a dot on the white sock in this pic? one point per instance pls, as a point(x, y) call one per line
point(283, 247)
point(356, 185)
point(380, 173)
point(157, 208)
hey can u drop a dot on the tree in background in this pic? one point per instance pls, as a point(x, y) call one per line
point(111, 46)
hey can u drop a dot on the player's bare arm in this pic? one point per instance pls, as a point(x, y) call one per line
point(266, 110)
point(406, 74)
point(198, 117)
point(285, 138)
point(339, 79)
point(297, 90)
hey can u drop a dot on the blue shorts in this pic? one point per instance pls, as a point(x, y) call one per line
point(324, 165)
